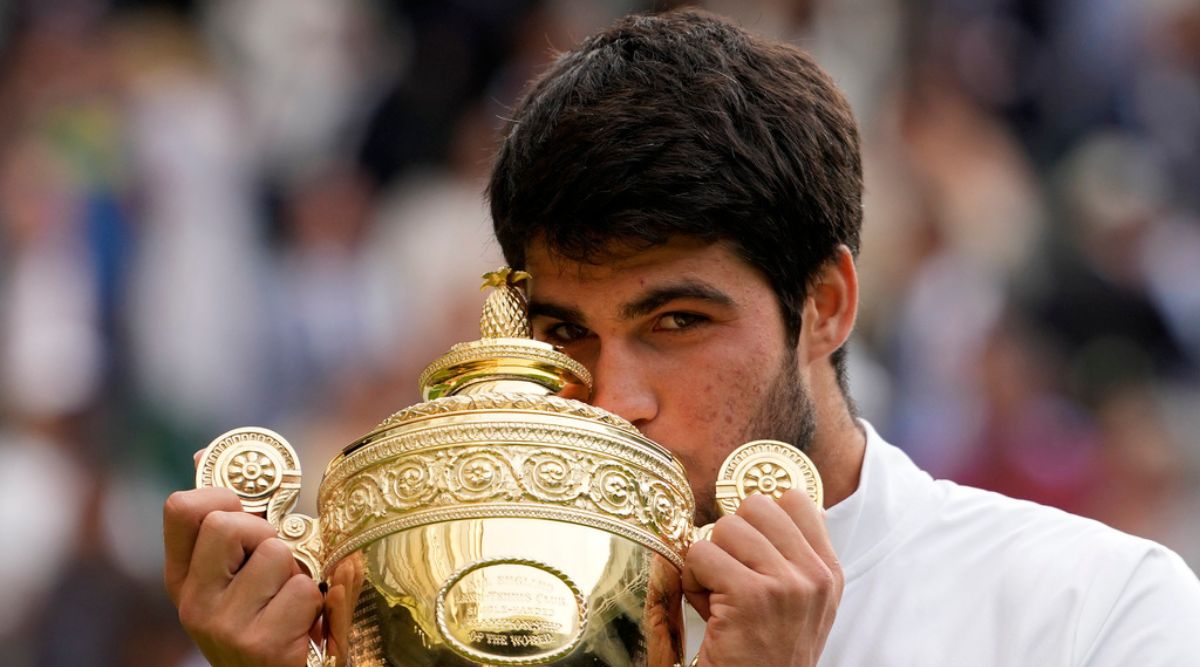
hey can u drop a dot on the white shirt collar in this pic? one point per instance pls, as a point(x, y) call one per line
point(892, 493)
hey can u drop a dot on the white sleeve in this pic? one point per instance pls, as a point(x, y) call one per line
point(1154, 621)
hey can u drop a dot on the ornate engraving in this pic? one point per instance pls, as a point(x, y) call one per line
point(253, 472)
point(399, 447)
point(300, 532)
point(665, 516)
point(768, 478)
point(509, 480)
point(769, 467)
point(411, 483)
point(540, 618)
point(614, 489)
point(553, 477)
point(480, 474)
point(255, 463)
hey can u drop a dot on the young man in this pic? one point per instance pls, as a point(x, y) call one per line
point(688, 199)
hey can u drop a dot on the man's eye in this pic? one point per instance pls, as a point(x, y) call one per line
point(564, 333)
point(678, 321)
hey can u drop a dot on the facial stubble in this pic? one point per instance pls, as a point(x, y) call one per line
point(786, 413)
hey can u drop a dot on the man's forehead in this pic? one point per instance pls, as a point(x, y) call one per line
point(549, 266)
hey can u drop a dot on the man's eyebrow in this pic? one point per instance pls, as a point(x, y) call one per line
point(554, 310)
point(656, 298)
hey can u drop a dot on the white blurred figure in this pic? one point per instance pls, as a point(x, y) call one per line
point(858, 42)
point(50, 366)
point(323, 315)
point(39, 536)
point(197, 316)
point(306, 70)
point(50, 341)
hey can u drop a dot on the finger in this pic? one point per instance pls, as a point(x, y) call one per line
point(196, 457)
point(182, 515)
point(339, 612)
point(809, 519)
point(710, 569)
point(747, 545)
point(264, 574)
point(292, 612)
point(224, 541)
point(766, 516)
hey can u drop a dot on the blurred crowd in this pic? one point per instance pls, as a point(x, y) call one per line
point(217, 213)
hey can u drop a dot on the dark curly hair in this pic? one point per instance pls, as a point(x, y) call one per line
point(683, 124)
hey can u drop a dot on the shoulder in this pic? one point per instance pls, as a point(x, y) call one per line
point(1023, 536)
point(1124, 596)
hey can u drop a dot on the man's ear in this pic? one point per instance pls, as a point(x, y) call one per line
point(831, 306)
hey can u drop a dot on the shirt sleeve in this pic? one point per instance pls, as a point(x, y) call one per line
point(1155, 619)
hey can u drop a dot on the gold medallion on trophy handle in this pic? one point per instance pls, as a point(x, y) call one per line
point(264, 471)
point(769, 467)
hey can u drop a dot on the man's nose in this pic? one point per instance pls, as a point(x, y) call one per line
point(622, 386)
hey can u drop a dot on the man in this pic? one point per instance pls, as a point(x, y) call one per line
point(688, 199)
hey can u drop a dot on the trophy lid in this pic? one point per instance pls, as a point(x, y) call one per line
point(505, 358)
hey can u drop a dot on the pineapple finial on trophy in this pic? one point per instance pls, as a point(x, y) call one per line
point(506, 311)
point(506, 358)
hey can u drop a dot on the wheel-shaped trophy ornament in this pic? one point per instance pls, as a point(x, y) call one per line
point(496, 523)
point(263, 470)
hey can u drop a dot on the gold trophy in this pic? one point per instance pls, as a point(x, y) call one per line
point(496, 523)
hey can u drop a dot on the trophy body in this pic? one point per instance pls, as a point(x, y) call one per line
point(504, 529)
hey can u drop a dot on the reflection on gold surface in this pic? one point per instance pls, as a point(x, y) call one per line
point(606, 601)
point(513, 591)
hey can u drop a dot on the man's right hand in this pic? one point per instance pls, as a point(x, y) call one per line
point(241, 596)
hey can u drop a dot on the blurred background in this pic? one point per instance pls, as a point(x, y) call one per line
point(225, 212)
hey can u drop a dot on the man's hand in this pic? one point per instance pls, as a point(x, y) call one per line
point(241, 596)
point(768, 584)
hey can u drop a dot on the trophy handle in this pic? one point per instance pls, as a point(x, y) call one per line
point(263, 470)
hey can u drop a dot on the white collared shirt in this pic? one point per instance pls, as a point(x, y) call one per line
point(942, 574)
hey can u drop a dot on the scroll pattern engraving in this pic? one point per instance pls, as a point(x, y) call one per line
point(402, 442)
point(483, 475)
